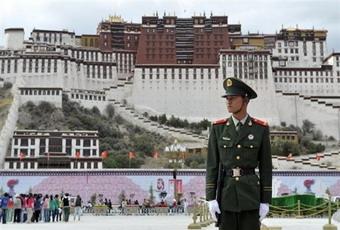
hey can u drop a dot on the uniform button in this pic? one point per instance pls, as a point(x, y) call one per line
point(238, 146)
point(251, 146)
point(237, 157)
point(224, 146)
point(237, 178)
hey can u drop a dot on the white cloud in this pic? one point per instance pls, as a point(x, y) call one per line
point(83, 16)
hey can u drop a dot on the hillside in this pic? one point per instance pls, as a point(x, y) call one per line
point(115, 134)
point(6, 99)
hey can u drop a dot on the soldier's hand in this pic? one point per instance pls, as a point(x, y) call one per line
point(213, 209)
point(264, 209)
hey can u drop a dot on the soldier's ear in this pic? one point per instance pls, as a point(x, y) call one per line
point(246, 100)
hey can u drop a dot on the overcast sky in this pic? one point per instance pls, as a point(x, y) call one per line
point(83, 16)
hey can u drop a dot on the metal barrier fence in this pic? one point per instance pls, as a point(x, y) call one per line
point(202, 218)
point(136, 210)
point(300, 210)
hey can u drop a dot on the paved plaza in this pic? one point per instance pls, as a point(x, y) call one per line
point(154, 223)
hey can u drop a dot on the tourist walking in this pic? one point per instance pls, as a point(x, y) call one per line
point(77, 208)
point(66, 207)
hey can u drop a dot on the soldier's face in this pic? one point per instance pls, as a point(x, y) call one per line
point(234, 103)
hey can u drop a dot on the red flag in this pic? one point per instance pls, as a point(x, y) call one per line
point(104, 154)
point(318, 157)
point(21, 156)
point(155, 155)
point(290, 156)
point(131, 155)
point(77, 154)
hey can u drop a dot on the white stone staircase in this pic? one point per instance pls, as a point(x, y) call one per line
point(294, 108)
point(183, 135)
point(328, 161)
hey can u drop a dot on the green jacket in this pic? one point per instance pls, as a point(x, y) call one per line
point(248, 149)
point(54, 204)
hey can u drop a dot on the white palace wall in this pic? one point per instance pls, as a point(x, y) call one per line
point(185, 98)
point(195, 99)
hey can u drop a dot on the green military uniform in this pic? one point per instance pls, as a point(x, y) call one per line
point(246, 149)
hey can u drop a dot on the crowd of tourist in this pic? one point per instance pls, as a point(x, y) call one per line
point(28, 208)
point(35, 208)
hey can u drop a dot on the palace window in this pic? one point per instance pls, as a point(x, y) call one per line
point(55, 65)
point(48, 65)
point(30, 65)
point(143, 73)
point(65, 66)
point(98, 69)
point(104, 71)
point(42, 65)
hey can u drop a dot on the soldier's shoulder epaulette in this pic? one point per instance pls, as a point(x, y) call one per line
point(220, 121)
point(260, 122)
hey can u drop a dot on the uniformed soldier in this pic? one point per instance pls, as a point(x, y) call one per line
point(240, 144)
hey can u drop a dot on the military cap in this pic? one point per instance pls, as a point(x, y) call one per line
point(236, 87)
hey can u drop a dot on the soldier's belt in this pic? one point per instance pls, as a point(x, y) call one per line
point(236, 172)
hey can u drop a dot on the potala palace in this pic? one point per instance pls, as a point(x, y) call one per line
point(175, 66)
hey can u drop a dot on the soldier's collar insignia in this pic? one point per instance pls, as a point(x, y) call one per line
point(228, 123)
point(251, 137)
point(226, 138)
point(250, 123)
point(229, 82)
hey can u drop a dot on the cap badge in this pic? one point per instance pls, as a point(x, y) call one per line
point(229, 82)
point(251, 137)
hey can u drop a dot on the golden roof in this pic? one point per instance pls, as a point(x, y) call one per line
point(115, 18)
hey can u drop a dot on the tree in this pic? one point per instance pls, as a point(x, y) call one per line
point(30, 105)
point(317, 135)
point(282, 148)
point(110, 111)
point(331, 138)
point(95, 110)
point(162, 119)
point(307, 127)
point(195, 161)
point(143, 143)
point(45, 107)
point(153, 118)
point(8, 85)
